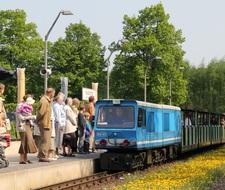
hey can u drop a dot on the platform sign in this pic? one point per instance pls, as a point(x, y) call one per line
point(87, 92)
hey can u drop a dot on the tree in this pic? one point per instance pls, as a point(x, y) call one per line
point(21, 47)
point(149, 35)
point(80, 57)
point(206, 87)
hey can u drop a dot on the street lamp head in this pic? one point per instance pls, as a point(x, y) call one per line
point(157, 58)
point(122, 40)
point(66, 12)
point(181, 68)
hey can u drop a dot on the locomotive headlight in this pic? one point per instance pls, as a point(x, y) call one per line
point(132, 142)
point(97, 142)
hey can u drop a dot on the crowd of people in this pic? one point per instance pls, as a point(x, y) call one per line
point(60, 127)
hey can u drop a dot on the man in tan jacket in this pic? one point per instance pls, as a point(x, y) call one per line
point(43, 121)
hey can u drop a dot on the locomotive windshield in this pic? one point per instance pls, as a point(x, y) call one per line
point(116, 117)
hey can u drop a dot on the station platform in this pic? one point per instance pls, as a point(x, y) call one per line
point(39, 174)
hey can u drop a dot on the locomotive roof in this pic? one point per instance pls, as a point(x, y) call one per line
point(149, 104)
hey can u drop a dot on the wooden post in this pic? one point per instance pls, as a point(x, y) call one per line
point(20, 84)
point(95, 88)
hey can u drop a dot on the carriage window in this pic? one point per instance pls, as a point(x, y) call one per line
point(188, 118)
point(116, 116)
point(214, 119)
point(150, 122)
point(166, 125)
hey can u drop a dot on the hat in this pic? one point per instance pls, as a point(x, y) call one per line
point(30, 100)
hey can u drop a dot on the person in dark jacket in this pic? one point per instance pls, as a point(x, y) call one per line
point(81, 129)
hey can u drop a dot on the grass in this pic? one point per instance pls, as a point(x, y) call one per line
point(195, 173)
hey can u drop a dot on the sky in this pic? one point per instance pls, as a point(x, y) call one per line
point(201, 21)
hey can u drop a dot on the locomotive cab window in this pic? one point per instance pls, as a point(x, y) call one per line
point(116, 117)
point(141, 117)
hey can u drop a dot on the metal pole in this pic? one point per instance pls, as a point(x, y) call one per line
point(145, 88)
point(46, 47)
point(108, 63)
point(108, 79)
point(46, 53)
point(46, 67)
point(170, 90)
point(149, 67)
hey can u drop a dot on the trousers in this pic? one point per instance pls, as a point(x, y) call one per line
point(45, 142)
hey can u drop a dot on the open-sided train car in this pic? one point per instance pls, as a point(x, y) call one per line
point(200, 129)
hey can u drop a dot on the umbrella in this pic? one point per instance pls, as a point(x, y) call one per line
point(6, 73)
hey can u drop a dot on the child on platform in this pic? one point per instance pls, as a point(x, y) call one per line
point(26, 109)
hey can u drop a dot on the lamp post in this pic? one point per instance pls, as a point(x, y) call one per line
point(108, 63)
point(170, 96)
point(63, 12)
point(146, 68)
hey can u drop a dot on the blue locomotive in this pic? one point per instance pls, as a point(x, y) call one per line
point(136, 134)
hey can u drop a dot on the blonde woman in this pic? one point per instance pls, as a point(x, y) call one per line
point(70, 128)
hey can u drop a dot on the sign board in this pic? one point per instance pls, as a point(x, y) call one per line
point(64, 86)
point(86, 92)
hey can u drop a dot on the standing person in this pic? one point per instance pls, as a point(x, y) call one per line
point(81, 129)
point(60, 121)
point(26, 108)
point(52, 150)
point(3, 115)
point(222, 121)
point(87, 133)
point(70, 128)
point(43, 121)
point(187, 121)
point(90, 108)
point(75, 107)
point(23, 126)
point(119, 117)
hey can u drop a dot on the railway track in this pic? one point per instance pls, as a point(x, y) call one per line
point(84, 182)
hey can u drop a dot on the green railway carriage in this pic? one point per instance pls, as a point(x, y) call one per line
point(200, 129)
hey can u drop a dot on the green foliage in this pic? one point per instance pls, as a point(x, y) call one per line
point(206, 88)
point(11, 107)
point(14, 134)
point(149, 35)
point(80, 58)
point(21, 47)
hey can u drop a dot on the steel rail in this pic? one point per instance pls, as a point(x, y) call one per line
point(84, 182)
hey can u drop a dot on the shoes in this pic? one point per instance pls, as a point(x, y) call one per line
point(59, 156)
point(92, 150)
point(71, 155)
point(29, 162)
point(64, 154)
point(44, 160)
point(56, 156)
point(22, 162)
point(52, 159)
